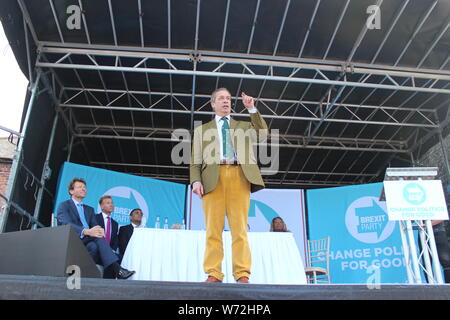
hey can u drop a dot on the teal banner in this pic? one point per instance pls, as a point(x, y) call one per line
point(154, 197)
point(365, 246)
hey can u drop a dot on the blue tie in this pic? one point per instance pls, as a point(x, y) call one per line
point(81, 214)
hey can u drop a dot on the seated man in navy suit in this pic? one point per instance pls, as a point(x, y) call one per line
point(126, 232)
point(110, 226)
point(82, 218)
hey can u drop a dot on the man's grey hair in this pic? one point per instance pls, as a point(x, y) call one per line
point(214, 94)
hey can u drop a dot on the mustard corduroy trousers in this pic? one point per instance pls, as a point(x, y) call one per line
point(231, 197)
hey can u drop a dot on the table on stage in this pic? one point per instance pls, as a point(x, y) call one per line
point(177, 255)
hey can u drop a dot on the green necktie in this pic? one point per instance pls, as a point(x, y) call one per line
point(227, 147)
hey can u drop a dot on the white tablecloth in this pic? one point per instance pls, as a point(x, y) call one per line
point(177, 255)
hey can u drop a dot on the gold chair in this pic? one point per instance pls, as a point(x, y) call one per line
point(318, 261)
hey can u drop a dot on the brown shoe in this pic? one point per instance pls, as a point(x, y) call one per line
point(212, 279)
point(242, 280)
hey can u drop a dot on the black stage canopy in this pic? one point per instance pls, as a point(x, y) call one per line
point(349, 94)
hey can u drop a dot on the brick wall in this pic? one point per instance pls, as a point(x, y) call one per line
point(5, 167)
point(7, 150)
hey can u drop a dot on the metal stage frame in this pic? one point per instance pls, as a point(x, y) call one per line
point(346, 100)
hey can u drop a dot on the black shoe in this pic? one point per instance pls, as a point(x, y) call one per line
point(124, 273)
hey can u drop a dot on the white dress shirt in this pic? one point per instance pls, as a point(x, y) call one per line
point(219, 124)
point(137, 226)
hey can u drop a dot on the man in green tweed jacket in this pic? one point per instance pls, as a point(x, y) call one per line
point(223, 172)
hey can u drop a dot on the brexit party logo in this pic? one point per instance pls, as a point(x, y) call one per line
point(414, 194)
point(126, 199)
point(367, 221)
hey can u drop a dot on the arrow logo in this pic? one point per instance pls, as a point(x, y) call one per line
point(371, 219)
point(126, 200)
point(266, 210)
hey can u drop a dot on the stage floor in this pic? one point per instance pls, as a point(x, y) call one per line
point(38, 287)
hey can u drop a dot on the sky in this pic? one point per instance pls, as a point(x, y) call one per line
point(13, 86)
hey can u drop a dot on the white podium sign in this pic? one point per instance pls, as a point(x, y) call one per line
point(415, 200)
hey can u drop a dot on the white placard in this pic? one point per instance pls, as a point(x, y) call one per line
point(415, 200)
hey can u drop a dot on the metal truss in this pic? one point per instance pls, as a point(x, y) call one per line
point(264, 171)
point(313, 108)
point(271, 181)
point(418, 123)
point(443, 65)
point(285, 141)
point(398, 79)
point(216, 66)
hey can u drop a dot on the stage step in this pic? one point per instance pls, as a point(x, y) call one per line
point(39, 287)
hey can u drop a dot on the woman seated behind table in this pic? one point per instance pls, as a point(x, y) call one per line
point(278, 225)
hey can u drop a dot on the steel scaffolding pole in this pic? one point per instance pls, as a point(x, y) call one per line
point(406, 251)
point(413, 252)
point(18, 157)
point(424, 254)
point(69, 154)
point(46, 172)
point(434, 255)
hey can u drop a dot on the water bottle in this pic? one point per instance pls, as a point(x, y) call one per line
point(183, 225)
point(157, 223)
point(166, 223)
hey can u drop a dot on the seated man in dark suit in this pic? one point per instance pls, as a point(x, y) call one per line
point(110, 226)
point(126, 232)
point(82, 218)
